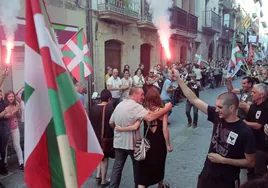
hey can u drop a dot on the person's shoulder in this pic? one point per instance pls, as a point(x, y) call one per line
point(243, 127)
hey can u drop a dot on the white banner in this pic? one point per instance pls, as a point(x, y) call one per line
point(232, 71)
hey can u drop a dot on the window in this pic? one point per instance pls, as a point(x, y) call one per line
point(226, 20)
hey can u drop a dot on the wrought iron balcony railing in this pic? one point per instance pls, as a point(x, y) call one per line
point(119, 6)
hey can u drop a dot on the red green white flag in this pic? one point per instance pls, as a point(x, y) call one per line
point(236, 55)
point(76, 56)
point(199, 61)
point(52, 109)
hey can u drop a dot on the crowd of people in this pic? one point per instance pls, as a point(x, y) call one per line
point(240, 131)
point(239, 137)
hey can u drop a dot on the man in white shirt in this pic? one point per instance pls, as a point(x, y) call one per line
point(114, 84)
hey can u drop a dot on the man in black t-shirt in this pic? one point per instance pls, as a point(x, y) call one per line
point(195, 87)
point(232, 144)
point(256, 119)
point(245, 95)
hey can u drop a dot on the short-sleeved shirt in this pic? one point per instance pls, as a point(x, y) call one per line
point(230, 140)
point(245, 97)
point(164, 94)
point(115, 83)
point(82, 99)
point(125, 114)
point(259, 114)
point(128, 83)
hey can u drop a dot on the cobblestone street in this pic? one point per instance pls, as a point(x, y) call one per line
point(185, 162)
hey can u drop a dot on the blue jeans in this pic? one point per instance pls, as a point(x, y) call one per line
point(165, 102)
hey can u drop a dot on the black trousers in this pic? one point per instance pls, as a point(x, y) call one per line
point(205, 181)
point(4, 136)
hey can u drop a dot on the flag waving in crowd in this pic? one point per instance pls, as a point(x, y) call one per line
point(236, 60)
point(58, 133)
point(199, 61)
point(76, 56)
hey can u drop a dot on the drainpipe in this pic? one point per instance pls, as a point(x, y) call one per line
point(90, 44)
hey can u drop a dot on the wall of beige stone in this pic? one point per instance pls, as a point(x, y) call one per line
point(131, 38)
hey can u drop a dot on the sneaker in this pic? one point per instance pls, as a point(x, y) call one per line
point(194, 126)
point(21, 167)
point(189, 124)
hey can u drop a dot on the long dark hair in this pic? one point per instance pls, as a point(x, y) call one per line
point(8, 93)
point(153, 100)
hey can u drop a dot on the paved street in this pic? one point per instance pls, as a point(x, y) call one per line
point(182, 166)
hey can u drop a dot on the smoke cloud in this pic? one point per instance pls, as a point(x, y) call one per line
point(161, 21)
point(9, 10)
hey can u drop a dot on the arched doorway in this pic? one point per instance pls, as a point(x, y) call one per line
point(183, 54)
point(113, 54)
point(145, 57)
point(210, 51)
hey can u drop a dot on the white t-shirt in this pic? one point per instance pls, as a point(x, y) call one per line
point(125, 114)
point(137, 81)
point(198, 73)
point(128, 83)
point(115, 83)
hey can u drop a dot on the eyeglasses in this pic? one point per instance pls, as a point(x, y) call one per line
point(151, 72)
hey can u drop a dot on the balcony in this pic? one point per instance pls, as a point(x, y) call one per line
point(212, 22)
point(118, 11)
point(145, 21)
point(183, 23)
point(179, 18)
point(226, 4)
point(226, 33)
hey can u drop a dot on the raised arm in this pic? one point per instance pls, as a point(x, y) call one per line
point(201, 105)
point(4, 75)
point(230, 86)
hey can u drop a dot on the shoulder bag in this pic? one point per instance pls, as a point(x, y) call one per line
point(142, 146)
point(106, 143)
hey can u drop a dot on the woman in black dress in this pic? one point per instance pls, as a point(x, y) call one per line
point(152, 170)
point(95, 116)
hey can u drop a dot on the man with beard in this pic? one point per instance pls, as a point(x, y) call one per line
point(232, 144)
point(245, 98)
point(256, 119)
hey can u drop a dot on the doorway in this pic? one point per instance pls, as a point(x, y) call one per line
point(145, 58)
point(113, 54)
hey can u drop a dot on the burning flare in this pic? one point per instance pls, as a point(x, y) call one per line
point(9, 47)
point(161, 15)
point(165, 45)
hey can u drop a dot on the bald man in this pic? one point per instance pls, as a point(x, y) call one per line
point(232, 143)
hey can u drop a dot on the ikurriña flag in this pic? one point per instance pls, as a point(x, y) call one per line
point(52, 109)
